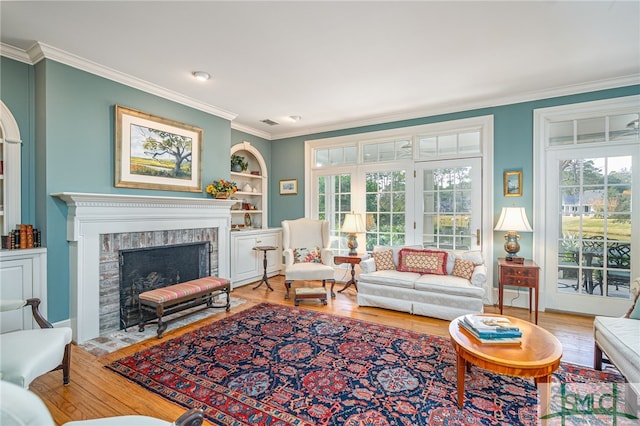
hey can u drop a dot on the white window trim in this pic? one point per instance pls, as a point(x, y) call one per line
point(563, 112)
point(485, 123)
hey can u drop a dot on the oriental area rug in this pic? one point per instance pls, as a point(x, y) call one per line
point(280, 365)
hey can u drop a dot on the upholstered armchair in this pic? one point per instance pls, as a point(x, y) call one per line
point(27, 354)
point(22, 407)
point(306, 250)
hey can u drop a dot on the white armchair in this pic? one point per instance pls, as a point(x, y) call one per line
point(27, 354)
point(21, 407)
point(306, 234)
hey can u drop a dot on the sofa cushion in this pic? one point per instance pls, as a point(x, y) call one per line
point(463, 268)
point(395, 250)
point(391, 278)
point(306, 255)
point(422, 261)
point(384, 260)
point(448, 284)
point(474, 256)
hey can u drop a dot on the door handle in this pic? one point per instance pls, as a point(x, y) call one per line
point(478, 236)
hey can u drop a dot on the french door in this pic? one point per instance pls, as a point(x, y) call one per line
point(591, 255)
point(450, 212)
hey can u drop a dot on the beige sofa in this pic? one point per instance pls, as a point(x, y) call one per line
point(619, 340)
point(439, 296)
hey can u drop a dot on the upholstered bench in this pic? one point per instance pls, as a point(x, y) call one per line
point(179, 297)
point(310, 293)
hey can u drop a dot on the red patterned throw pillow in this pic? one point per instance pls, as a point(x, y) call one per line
point(384, 260)
point(463, 268)
point(423, 261)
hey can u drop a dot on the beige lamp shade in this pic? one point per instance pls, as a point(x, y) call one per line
point(512, 220)
point(352, 225)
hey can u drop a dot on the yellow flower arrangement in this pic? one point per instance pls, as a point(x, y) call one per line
point(221, 187)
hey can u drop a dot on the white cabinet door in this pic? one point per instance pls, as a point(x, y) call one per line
point(273, 262)
point(23, 274)
point(247, 263)
point(15, 283)
point(244, 259)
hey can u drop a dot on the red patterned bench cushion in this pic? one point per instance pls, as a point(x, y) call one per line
point(178, 291)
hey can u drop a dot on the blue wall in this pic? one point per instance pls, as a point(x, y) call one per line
point(66, 120)
point(513, 150)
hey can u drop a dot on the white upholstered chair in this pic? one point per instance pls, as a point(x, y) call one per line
point(306, 235)
point(27, 354)
point(21, 407)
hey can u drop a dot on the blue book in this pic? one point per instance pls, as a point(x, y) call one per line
point(491, 334)
point(494, 341)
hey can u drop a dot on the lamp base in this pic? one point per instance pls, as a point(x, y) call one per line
point(515, 259)
point(352, 243)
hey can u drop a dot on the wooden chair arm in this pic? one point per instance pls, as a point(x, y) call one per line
point(193, 417)
point(35, 303)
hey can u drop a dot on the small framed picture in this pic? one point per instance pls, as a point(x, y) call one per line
point(513, 183)
point(289, 187)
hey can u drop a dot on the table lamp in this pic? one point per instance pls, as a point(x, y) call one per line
point(352, 225)
point(512, 220)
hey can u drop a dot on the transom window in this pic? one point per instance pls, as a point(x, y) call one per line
point(374, 175)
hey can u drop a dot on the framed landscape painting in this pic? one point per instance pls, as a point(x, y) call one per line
point(156, 153)
point(289, 187)
point(513, 183)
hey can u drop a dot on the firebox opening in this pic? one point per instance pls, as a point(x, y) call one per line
point(144, 269)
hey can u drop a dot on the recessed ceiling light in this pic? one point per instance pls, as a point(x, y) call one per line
point(201, 75)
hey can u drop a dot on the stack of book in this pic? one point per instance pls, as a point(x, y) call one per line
point(491, 329)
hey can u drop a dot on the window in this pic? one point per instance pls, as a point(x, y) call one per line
point(374, 174)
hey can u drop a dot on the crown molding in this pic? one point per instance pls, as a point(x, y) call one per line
point(40, 51)
point(574, 89)
point(251, 131)
point(16, 54)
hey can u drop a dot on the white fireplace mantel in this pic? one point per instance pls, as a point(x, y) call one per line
point(90, 215)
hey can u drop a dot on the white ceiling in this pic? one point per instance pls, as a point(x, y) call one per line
point(341, 64)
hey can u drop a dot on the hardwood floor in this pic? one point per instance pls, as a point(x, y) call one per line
point(95, 391)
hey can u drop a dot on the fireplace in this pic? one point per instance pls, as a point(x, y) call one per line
point(96, 221)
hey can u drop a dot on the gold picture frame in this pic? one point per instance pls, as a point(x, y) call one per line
point(512, 183)
point(288, 186)
point(156, 153)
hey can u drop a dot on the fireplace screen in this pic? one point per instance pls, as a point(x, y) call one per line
point(146, 269)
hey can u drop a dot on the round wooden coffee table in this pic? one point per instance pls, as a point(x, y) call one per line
point(538, 355)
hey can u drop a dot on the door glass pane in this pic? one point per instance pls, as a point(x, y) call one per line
point(594, 249)
point(334, 201)
point(447, 208)
point(385, 211)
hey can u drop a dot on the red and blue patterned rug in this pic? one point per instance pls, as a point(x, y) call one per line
point(280, 365)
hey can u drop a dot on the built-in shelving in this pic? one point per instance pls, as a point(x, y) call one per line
point(249, 227)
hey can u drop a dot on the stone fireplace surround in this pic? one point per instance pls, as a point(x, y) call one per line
point(91, 215)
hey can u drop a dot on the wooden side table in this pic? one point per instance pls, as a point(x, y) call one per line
point(519, 275)
point(265, 279)
point(353, 261)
